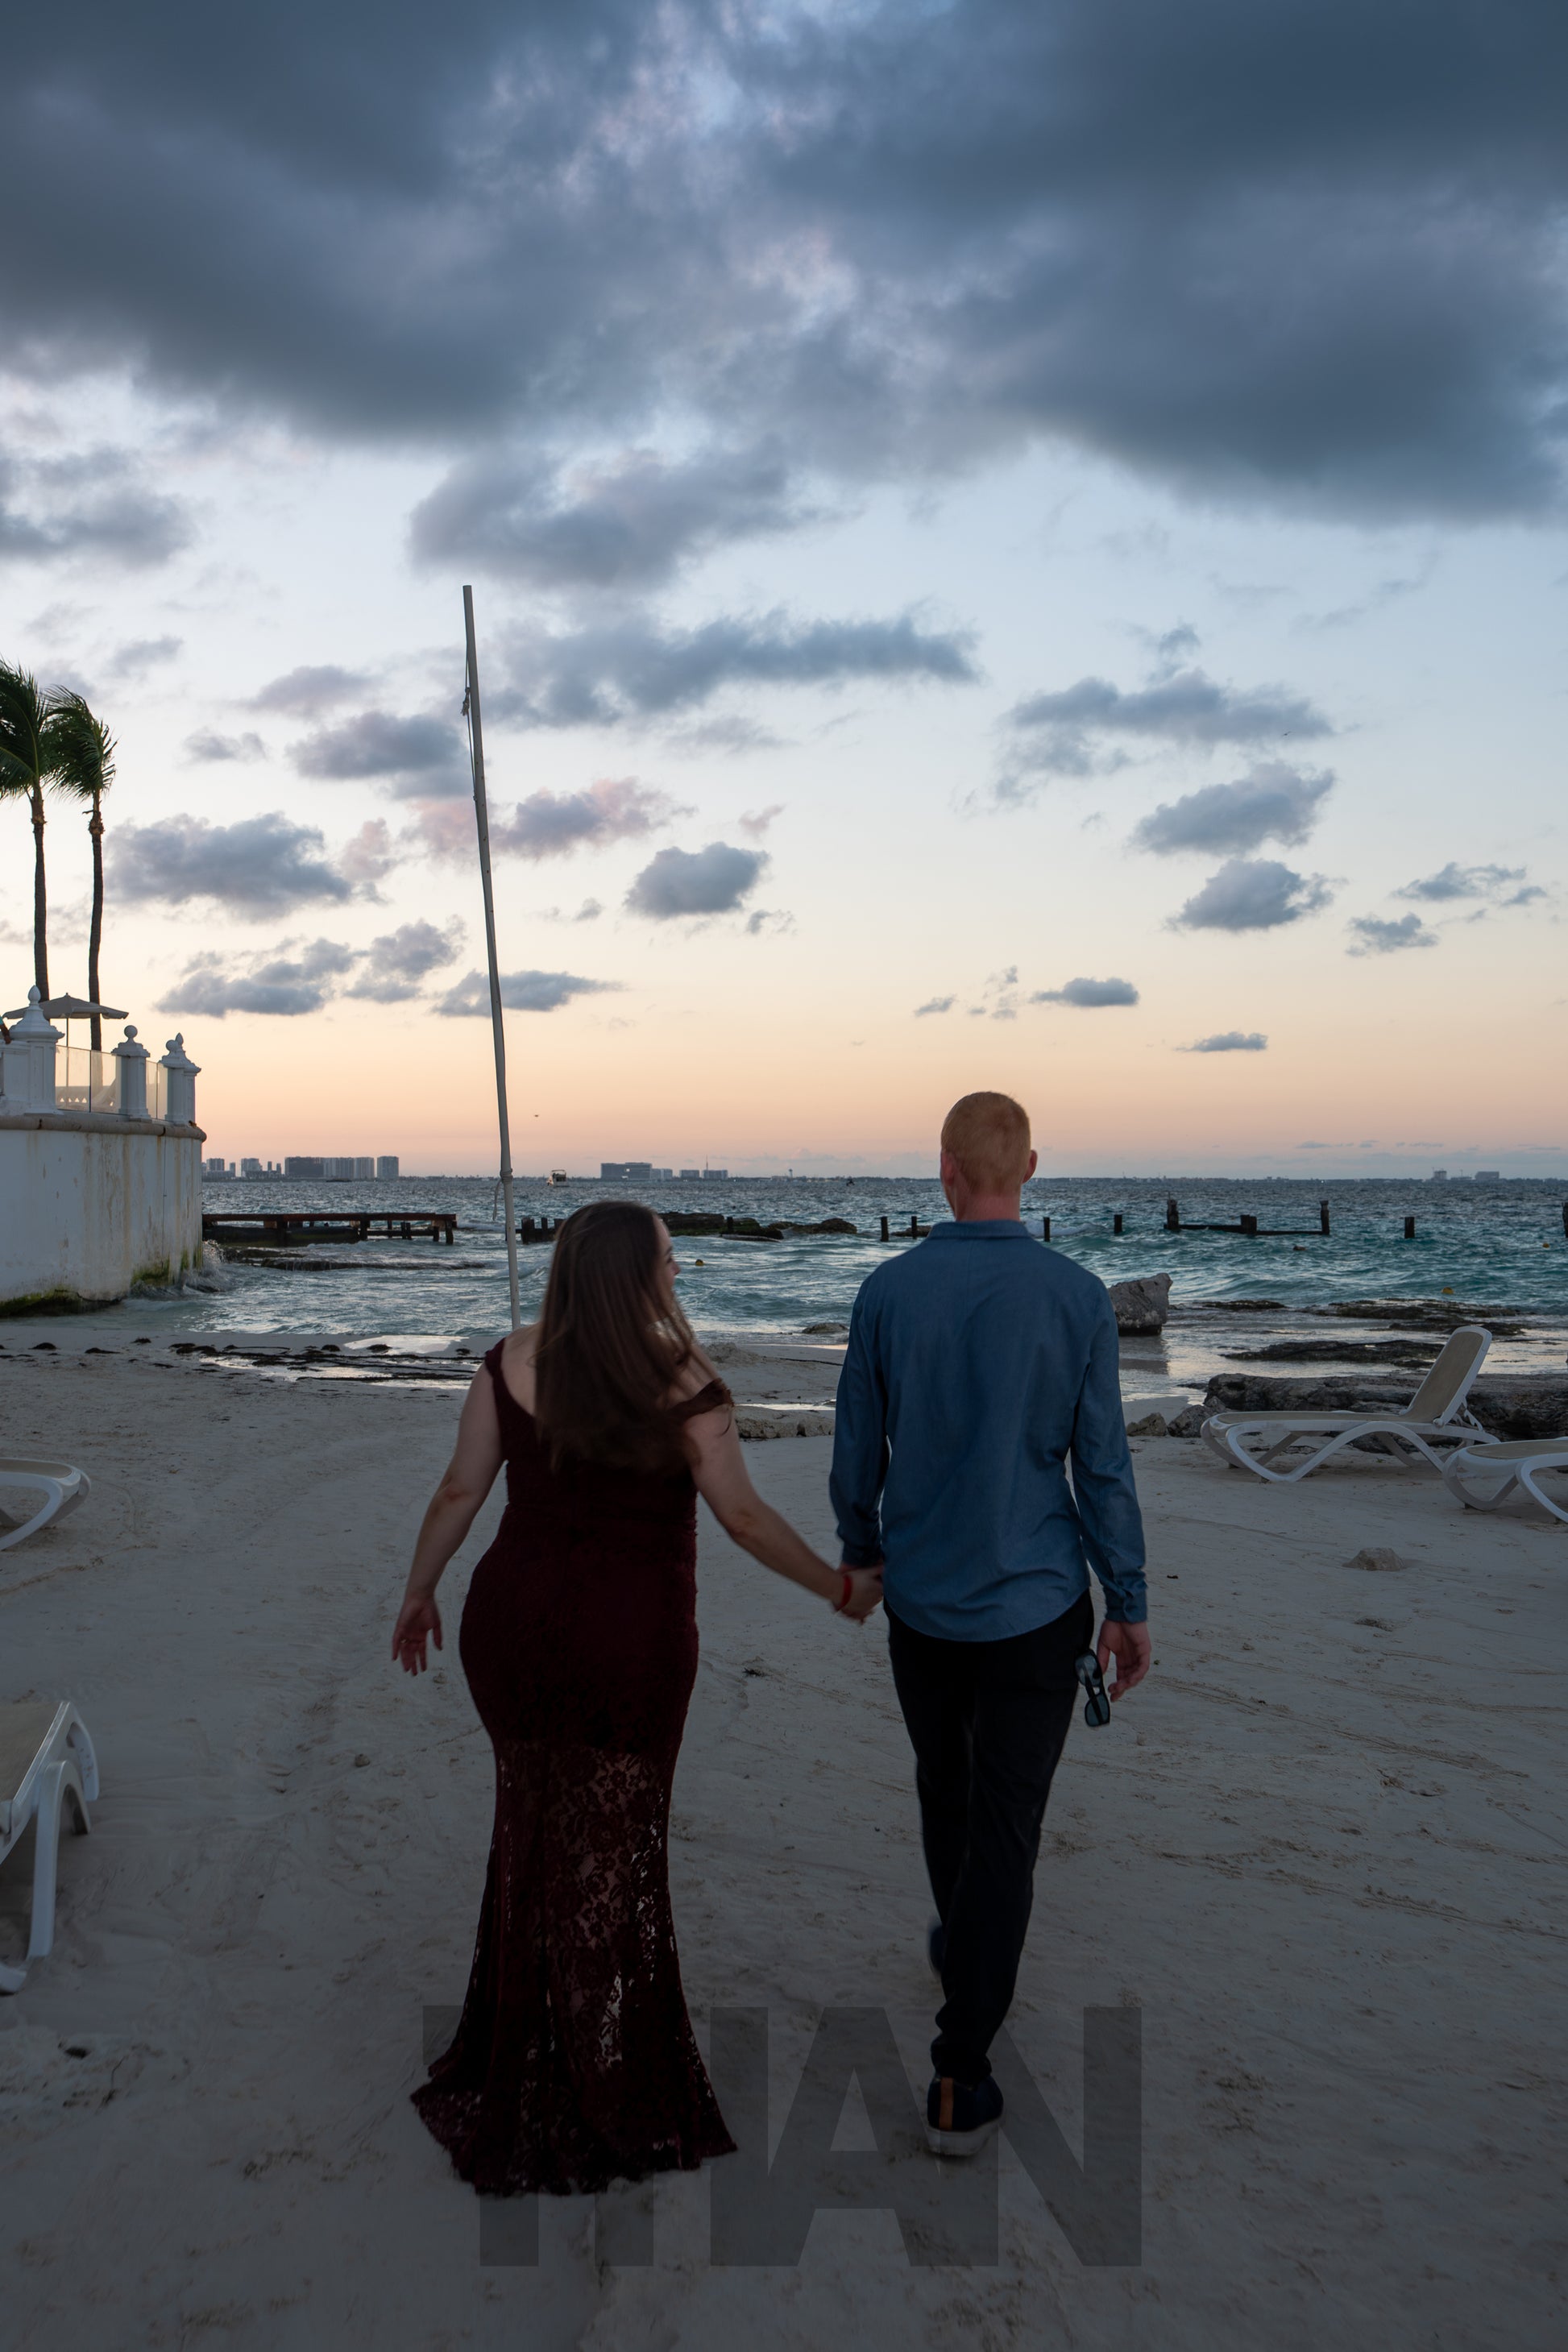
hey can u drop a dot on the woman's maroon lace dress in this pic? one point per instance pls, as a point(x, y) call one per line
point(574, 2063)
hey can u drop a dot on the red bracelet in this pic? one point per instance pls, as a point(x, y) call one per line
point(840, 1605)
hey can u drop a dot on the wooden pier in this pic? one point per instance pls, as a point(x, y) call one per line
point(1175, 1224)
point(278, 1228)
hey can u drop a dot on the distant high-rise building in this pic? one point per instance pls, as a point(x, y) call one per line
point(214, 1169)
point(386, 1166)
point(626, 1171)
point(1439, 1175)
point(688, 1173)
point(339, 1171)
point(365, 1167)
point(1488, 1175)
point(304, 1167)
point(251, 1168)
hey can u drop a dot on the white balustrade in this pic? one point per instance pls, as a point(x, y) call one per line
point(30, 1062)
point(182, 1074)
point(133, 1059)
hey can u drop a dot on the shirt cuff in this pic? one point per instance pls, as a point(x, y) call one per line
point(861, 1555)
point(1126, 1613)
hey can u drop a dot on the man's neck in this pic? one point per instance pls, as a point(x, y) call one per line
point(988, 1208)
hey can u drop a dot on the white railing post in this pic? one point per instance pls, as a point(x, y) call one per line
point(180, 1110)
point(133, 1059)
point(38, 1036)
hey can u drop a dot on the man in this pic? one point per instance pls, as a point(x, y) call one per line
point(977, 1366)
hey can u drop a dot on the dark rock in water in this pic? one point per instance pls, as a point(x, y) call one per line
point(1418, 1353)
point(828, 1226)
point(746, 1229)
point(1142, 1306)
point(1189, 1421)
point(693, 1221)
point(1528, 1406)
point(1443, 1315)
point(1235, 1306)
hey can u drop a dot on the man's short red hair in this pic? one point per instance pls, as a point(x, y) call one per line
point(988, 1135)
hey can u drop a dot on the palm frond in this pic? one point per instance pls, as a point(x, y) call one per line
point(80, 748)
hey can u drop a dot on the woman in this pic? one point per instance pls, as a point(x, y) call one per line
point(573, 2062)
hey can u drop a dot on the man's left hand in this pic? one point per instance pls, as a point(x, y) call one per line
point(1133, 1650)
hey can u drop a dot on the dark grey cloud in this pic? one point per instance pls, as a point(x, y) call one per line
point(95, 504)
point(520, 992)
point(547, 824)
point(1272, 803)
point(1087, 994)
point(1290, 253)
point(1076, 732)
point(283, 983)
point(207, 746)
point(1373, 935)
point(935, 1004)
point(313, 687)
point(135, 659)
point(1230, 1041)
point(633, 667)
point(696, 882)
point(1455, 881)
point(258, 866)
point(395, 966)
point(626, 522)
point(1253, 894)
point(418, 758)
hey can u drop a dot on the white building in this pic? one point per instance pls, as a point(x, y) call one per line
point(386, 1167)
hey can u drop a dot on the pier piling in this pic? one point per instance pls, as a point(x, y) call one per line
point(1173, 1218)
point(1044, 1229)
point(1116, 1223)
point(1324, 1215)
point(884, 1229)
point(1410, 1229)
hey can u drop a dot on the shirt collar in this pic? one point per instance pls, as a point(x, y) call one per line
point(980, 1229)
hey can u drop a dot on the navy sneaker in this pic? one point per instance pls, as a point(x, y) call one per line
point(961, 2117)
point(936, 1947)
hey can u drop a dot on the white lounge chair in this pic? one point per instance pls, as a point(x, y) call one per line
point(1435, 1415)
point(1517, 1461)
point(60, 1486)
point(47, 1761)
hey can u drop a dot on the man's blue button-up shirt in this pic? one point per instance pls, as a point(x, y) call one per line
point(978, 1365)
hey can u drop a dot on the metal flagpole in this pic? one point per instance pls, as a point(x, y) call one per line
point(481, 815)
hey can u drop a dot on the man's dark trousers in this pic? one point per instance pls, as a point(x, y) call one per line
point(988, 1721)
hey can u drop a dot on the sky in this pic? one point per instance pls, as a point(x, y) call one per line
point(1015, 545)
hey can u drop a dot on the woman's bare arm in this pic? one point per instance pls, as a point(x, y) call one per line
point(725, 1484)
point(454, 1506)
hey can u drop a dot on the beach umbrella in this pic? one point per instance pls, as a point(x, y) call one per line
point(68, 1009)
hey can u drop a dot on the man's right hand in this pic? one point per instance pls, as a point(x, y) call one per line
point(1133, 1650)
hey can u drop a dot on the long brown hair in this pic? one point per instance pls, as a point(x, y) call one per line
point(608, 1355)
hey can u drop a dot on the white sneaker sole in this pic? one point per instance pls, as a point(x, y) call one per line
point(957, 2143)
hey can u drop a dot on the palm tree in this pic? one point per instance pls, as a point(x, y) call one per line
point(84, 768)
point(28, 755)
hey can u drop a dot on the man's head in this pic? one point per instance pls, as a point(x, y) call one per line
point(986, 1159)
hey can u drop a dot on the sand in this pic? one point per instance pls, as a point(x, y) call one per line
point(1322, 1851)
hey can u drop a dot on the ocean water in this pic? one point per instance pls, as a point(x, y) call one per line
point(1495, 1246)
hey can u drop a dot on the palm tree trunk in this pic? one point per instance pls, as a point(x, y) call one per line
point(95, 935)
point(40, 899)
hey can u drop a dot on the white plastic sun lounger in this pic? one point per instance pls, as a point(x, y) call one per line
point(58, 1488)
point(1436, 1415)
point(47, 1761)
point(1484, 1476)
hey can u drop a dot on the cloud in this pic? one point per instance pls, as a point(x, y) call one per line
point(207, 745)
point(304, 692)
point(633, 669)
point(1089, 995)
point(626, 522)
point(554, 825)
point(1253, 894)
point(369, 856)
point(395, 965)
point(421, 756)
point(755, 821)
point(258, 866)
point(94, 504)
point(1231, 1041)
point(1065, 733)
point(282, 985)
point(766, 920)
point(696, 882)
point(1259, 255)
point(520, 992)
point(935, 1004)
point(141, 655)
point(1455, 881)
point(1374, 936)
point(1270, 802)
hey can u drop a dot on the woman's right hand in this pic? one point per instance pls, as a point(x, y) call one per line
point(865, 1593)
point(419, 1621)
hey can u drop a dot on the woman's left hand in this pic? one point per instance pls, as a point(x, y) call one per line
point(419, 1621)
point(864, 1592)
